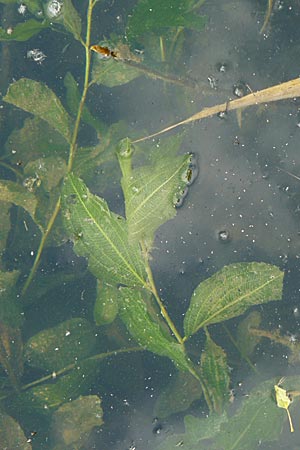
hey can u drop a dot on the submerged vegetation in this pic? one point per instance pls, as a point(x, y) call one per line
point(48, 377)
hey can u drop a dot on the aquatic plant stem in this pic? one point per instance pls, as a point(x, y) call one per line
point(41, 246)
point(157, 298)
point(72, 144)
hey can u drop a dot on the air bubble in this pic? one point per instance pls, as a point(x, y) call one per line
point(179, 197)
point(240, 89)
point(223, 235)
point(53, 9)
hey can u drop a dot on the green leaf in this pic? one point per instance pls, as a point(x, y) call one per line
point(5, 227)
point(10, 306)
point(71, 18)
point(101, 236)
point(247, 341)
point(150, 190)
point(257, 421)
point(230, 292)
point(41, 101)
point(34, 6)
point(106, 305)
point(113, 72)
point(158, 16)
point(54, 348)
point(146, 331)
point(23, 31)
point(49, 170)
point(214, 375)
point(11, 192)
point(40, 401)
point(73, 100)
point(73, 421)
point(36, 139)
point(178, 396)
point(11, 434)
point(196, 430)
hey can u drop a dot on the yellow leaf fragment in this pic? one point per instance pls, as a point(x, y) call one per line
point(283, 400)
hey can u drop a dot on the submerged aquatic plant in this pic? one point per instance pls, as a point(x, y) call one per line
point(52, 190)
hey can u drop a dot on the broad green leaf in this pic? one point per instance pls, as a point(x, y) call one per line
point(41, 400)
point(39, 100)
point(71, 19)
point(257, 421)
point(73, 99)
point(113, 72)
point(101, 236)
point(197, 432)
point(214, 375)
point(23, 31)
point(49, 171)
point(106, 304)
point(155, 15)
point(230, 292)
point(66, 343)
point(146, 331)
point(247, 341)
point(11, 192)
point(73, 421)
point(10, 305)
point(36, 139)
point(152, 190)
point(11, 352)
point(34, 6)
point(178, 395)
point(11, 434)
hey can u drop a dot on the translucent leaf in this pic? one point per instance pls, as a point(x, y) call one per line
point(147, 332)
point(178, 395)
point(11, 352)
point(247, 341)
point(73, 421)
point(11, 192)
point(101, 236)
point(155, 15)
point(215, 375)
point(113, 73)
point(151, 190)
point(197, 429)
point(257, 421)
point(66, 343)
point(49, 171)
point(38, 99)
point(73, 99)
point(71, 19)
point(5, 226)
point(10, 306)
point(11, 434)
point(41, 400)
point(23, 31)
point(34, 140)
point(230, 292)
point(106, 304)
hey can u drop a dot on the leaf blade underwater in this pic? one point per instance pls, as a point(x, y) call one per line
point(101, 236)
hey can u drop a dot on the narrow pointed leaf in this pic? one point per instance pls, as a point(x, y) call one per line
point(40, 101)
point(147, 332)
point(151, 191)
point(230, 292)
point(72, 19)
point(215, 375)
point(101, 236)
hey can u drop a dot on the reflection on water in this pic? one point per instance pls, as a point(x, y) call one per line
point(241, 204)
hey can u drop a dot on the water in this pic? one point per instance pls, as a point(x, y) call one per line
point(241, 205)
